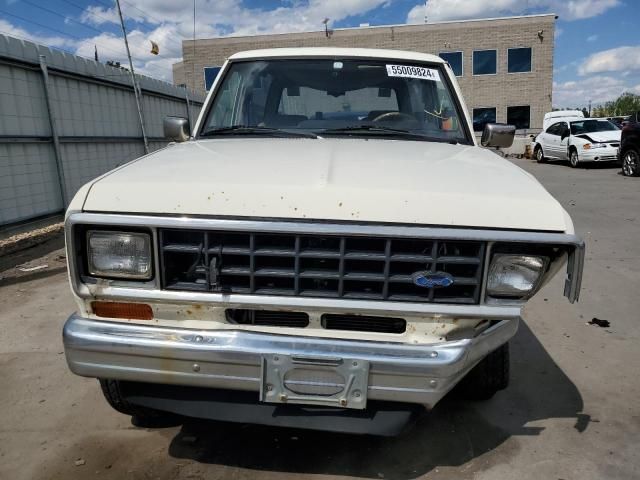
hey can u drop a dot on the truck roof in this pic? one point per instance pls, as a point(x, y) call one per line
point(306, 52)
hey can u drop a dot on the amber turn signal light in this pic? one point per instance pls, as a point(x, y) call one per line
point(132, 311)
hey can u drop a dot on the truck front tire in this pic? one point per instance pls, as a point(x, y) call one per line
point(140, 416)
point(488, 377)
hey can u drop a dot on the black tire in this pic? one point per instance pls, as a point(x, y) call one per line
point(140, 416)
point(488, 377)
point(631, 163)
point(574, 160)
point(538, 154)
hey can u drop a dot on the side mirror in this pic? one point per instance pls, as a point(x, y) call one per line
point(498, 135)
point(176, 129)
point(565, 134)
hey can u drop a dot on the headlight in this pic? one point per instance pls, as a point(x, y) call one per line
point(589, 146)
point(119, 254)
point(515, 275)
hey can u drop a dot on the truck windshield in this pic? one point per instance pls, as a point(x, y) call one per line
point(329, 97)
point(590, 126)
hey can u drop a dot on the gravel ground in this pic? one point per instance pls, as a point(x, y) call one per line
point(571, 412)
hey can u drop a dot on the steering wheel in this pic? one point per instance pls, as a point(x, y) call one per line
point(394, 117)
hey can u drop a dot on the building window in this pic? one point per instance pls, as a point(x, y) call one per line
point(519, 60)
point(484, 62)
point(455, 60)
point(482, 116)
point(210, 74)
point(519, 116)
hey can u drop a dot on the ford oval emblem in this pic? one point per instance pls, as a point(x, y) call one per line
point(432, 279)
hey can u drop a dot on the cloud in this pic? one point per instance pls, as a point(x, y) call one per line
point(557, 32)
point(619, 59)
point(231, 17)
point(441, 10)
point(111, 47)
point(592, 38)
point(599, 88)
point(169, 22)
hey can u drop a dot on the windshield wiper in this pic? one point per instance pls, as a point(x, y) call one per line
point(380, 130)
point(255, 129)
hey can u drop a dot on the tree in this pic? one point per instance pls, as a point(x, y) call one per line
point(625, 104)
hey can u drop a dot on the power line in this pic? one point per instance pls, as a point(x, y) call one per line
point(111, 20)
point(142, 11)
point(47, 27)
point(101, 2)
point(107, 20)
point(66, 34)
point(62, 16)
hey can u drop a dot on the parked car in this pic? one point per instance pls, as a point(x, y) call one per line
point(284, 264)
point(552, 117)
point(629, 154)
point(578, 141)
point(619, 121)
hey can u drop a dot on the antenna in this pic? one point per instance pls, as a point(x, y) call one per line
point(327, 32)
point(193, 63)
point(136, 87)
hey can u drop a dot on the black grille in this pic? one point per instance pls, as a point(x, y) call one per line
point(268, 318)
point(319, 266)
point(364, 323)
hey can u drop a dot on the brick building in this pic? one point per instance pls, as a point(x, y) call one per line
point(504, 65)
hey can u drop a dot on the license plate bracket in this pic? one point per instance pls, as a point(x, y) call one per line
point(306, 380)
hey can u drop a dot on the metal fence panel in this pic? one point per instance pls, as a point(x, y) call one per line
point(22, 104)
point(95, 117)
point(28, 181)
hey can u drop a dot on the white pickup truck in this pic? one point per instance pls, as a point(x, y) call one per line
point(328, 248)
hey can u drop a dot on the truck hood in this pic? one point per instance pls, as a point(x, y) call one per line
point(373, 180)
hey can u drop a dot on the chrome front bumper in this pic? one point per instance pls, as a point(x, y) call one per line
point(234, 359)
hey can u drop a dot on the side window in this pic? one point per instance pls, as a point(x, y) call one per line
point(482, 116)
point(226, 107)
point(257, 99)
point(210, 74)
point(554, 129)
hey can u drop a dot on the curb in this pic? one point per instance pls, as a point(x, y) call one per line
point(22, 241)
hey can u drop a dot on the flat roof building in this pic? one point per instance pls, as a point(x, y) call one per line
point(504, 65)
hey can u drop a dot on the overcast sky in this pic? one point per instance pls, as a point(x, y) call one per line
point(597, 54)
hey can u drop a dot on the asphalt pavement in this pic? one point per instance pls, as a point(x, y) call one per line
point(572, 410)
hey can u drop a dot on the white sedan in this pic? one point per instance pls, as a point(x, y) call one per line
point(578, 140)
